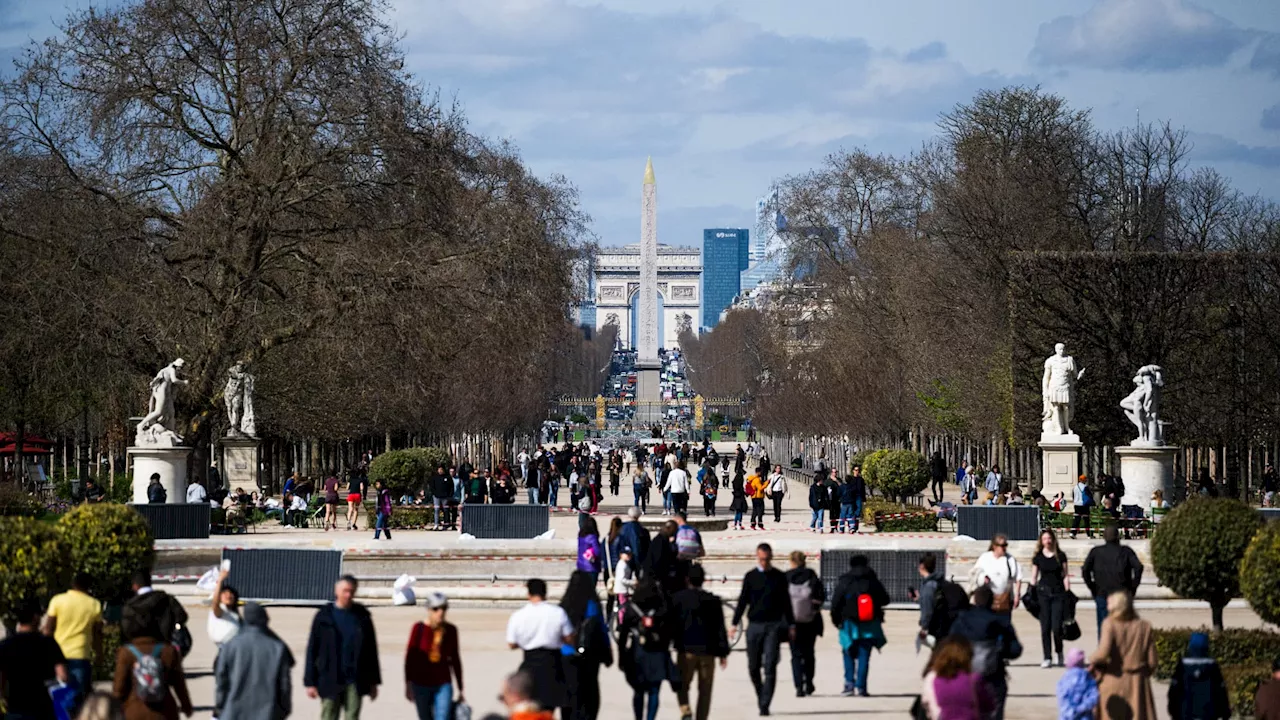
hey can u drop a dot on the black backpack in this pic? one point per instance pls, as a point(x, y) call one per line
point(949, 600)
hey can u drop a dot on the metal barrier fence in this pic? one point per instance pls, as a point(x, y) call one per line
point(302, 576)
point(898, 570)
point(505, 522)
point(982, 522)
point(172, 521)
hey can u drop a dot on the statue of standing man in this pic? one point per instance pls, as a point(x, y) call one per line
point(1058, 390)
point(238, 395)
point(157, 428)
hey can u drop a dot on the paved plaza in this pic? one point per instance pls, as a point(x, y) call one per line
point(895, 672)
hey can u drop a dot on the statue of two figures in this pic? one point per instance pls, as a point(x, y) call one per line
point(1142, 406)
point(157, 429)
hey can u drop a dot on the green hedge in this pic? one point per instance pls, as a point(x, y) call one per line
point(403, 517)
point(1242, 685)
point(402, 470)
point(1228, 647)
point(104, 665)
point(1196, 553)
point(921, 521)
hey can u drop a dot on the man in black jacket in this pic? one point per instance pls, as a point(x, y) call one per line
point(1109, 568)
point(994, 644)
point(766, 602)
point(866, 634)
point(700, 640)
point(937, 475)
point(441, 487)
point(341, 667)
point(151, 613)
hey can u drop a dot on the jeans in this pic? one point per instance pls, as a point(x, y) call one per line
point(380, 526)
point(818, 519)
point(347, 704)
point(764, 642)
point(1052, 609)
point(704, 666)
point(434, 702)
point(1100, 604)
point(553, 493)
point(653, 691)
point(848, 517)
point(81, 672)
point(857, 661)
point(737, 518)
point(533, 495)
point(638, 492)
point(438, 508)
point(666, 502)
point(803, 662)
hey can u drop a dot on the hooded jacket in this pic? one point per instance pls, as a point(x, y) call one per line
point(844, 599)
point(153, 614)
point(928, 592)
point(252, 673)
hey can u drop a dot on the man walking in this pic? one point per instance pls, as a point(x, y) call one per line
point(857, 608)
point(252, 672)
point(74, 620)
point(29, 661)
point(540, 629)
point(700, 641)
point(766, 602)
point(634, 539)
point(853, 495)
point(678, 486)
point(1108, 568)
point(756, 488)
point(937, 475)
point(151, 613)
point(342, 655)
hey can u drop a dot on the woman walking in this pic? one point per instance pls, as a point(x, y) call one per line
point(1052, 582)
point(738, 504)
point(355, 499)
point(818, 499)
point(590, 553)
point(638, 489)
point(1081, 501)
point(382, 503)
point(1125, 660)
point(161, 700)
point(644, 639)
point(952, 691)
point(330, 503)
point(433, 662)
point(589, 650)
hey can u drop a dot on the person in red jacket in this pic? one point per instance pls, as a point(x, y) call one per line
point(432, 662)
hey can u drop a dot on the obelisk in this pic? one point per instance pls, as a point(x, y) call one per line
point(648, 367)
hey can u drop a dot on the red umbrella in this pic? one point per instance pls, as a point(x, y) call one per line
point(11, 449)
point(11, 438)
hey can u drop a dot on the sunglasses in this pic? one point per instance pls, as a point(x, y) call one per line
point(1003, 545)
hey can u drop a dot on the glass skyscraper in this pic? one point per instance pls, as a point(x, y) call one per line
point(725, 254)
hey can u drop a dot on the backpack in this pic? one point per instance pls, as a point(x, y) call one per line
point(148, 675)
point(866, 608)
point(802, 601)
point(949, 600)
point(1087, 497)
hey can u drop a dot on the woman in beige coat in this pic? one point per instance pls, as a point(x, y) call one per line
point(1125, 661)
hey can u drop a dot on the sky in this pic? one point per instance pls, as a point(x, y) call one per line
point(728, 97)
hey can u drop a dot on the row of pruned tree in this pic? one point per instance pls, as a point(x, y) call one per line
point(928, 289)
point(240, 180)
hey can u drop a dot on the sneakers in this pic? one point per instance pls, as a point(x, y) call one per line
point(848, 691)
point(1046, 663)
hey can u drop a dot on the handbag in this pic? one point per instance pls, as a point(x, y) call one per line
point(461, 711)
point(917, 710)
point(1031, 601)
point(1070, 628)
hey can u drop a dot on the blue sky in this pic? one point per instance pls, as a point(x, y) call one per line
point(729, 96)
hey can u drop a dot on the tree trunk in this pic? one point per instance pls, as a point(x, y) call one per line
point(1217, 607)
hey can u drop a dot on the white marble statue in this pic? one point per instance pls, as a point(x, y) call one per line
point(238, 395)
point(1058, 390)
point(1142, 406)
point(157, 428)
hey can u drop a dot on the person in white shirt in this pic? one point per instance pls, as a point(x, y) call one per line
point(196, 493)
point(777, 491)
point(678, 486)
point(998, 570)
point(224, 612)
point(540, 629)
point(523, 459)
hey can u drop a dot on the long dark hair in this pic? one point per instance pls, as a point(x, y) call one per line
point(580, 591)
point(589, 527)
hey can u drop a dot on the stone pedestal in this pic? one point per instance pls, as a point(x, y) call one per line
point(1061, 456)
point(1145, 470)
point(170, 462)
point(240, 463)
point(648, 394)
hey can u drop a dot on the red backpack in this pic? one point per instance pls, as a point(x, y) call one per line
point(866, 608)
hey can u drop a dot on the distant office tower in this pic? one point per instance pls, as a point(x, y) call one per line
point(725, 254)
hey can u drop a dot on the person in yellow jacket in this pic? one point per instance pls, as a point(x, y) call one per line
point(756, 488)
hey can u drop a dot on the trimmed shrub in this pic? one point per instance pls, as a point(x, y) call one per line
point(16, 503)
point(897, 474)
point(1260, 573)
point(35, 564)
point(1228, 647)
point(110, 543)
point(1196, 552)
point(104, 663)
point(406, 470)
point(920, 521)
